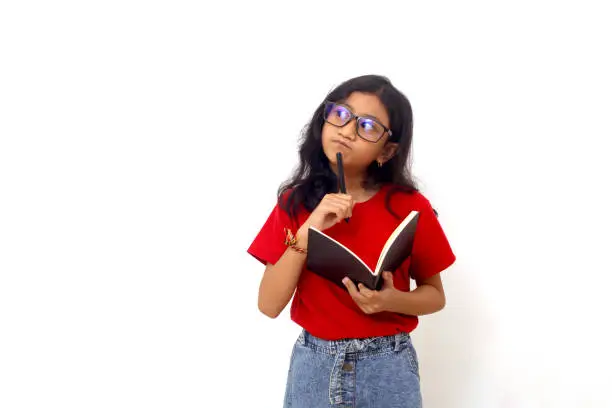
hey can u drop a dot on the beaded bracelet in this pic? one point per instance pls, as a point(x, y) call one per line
point(291, 241)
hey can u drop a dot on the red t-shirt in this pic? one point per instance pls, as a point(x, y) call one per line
point(326, 310)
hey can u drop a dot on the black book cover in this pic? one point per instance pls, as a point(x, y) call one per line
point(333, 261)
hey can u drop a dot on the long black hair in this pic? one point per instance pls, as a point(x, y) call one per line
point(314, 178)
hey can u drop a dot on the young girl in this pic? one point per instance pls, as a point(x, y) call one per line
point(355, 348)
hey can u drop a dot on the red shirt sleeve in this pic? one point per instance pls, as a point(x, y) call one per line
point(269, 244)
point(431, 252)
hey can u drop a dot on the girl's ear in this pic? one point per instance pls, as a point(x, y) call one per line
point(387, 152)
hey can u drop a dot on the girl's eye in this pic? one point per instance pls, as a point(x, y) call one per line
point(368, 125)
point(341, 114)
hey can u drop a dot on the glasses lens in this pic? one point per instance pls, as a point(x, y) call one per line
point(336, 114)
point(370, 129)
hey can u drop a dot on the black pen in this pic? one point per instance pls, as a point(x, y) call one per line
point(341, 176)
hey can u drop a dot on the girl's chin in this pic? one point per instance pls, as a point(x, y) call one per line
point(334, 150)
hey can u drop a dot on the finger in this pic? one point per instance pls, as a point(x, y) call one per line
point(342, 196)
point(365, 291)
point(340, 209)
point(342, 199)
point(350, 286)
point(334, 208)
point(346, 203)
point(349, 200)
point(388, 279)
point(340, 213)
point(352, 289)
point(346, 211)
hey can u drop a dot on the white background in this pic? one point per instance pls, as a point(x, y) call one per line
point(142, 143)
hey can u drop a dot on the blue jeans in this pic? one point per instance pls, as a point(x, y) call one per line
point(376, 372)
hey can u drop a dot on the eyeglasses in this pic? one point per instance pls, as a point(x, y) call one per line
point(368, 129)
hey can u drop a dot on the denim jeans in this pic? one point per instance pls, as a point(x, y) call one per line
point(375, 372)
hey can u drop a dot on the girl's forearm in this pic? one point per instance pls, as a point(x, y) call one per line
point(280, 280)
point(423, 300)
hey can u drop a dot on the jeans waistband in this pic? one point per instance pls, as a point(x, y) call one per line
point(366, 345)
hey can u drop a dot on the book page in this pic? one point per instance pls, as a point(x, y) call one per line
point(399, 244)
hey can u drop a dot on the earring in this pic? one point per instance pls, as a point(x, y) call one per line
point(379, 163)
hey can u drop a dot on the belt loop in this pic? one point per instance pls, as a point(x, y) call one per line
point(335, 380)
point(398, 341)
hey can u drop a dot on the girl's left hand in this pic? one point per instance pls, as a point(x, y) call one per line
point(372, 301)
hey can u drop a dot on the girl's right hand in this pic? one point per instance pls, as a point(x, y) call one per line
point(332, 209)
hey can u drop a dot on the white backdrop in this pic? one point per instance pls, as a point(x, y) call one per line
point(142, 143)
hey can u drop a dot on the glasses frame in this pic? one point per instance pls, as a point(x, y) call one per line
point(358, 118)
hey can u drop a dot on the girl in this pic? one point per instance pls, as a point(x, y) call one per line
point(355, 348)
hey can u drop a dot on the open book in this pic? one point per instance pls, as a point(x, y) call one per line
point(332, 260)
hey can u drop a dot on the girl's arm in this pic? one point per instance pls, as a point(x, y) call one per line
point(280, 280)
point(427, 298)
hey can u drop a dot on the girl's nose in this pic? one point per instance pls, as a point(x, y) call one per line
point(348, 131)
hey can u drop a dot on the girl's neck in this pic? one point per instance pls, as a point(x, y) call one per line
point(355, 188)
point(354, 184)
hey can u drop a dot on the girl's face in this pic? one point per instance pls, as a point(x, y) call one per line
point(361, 140)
